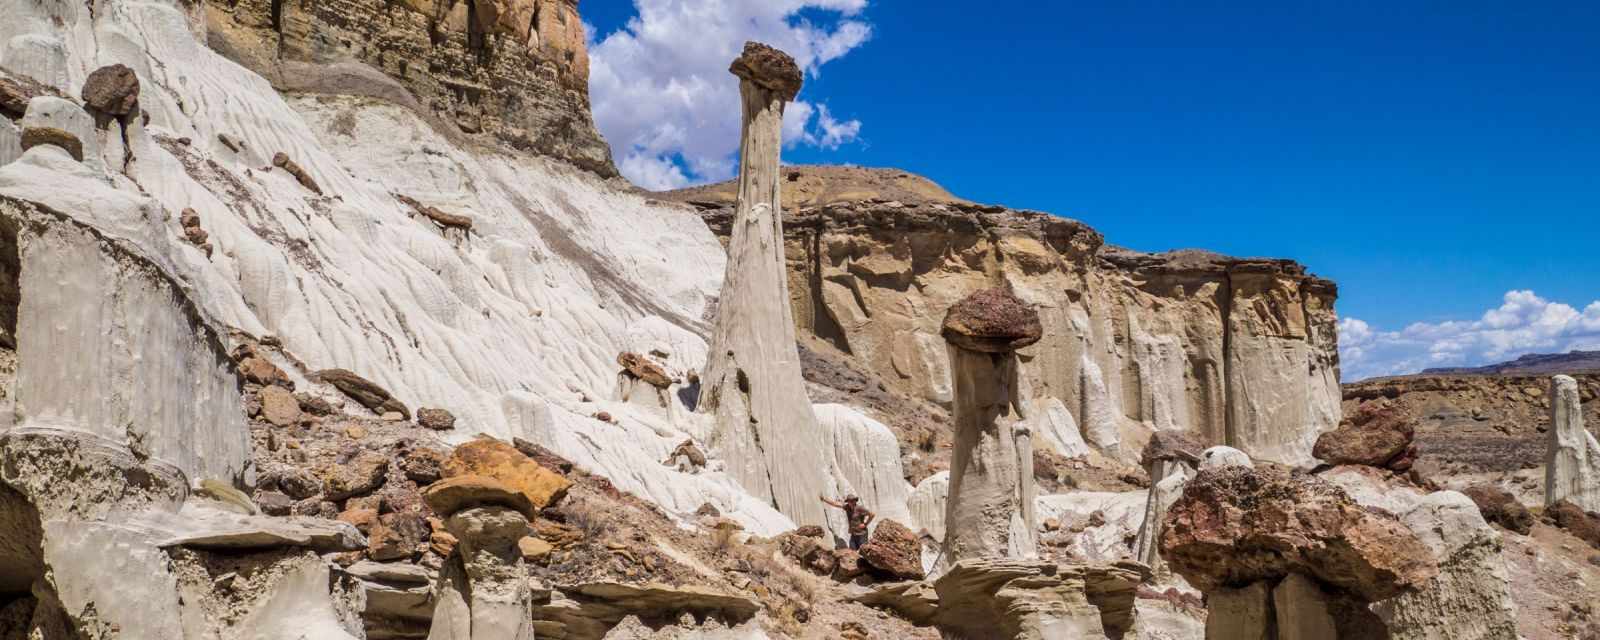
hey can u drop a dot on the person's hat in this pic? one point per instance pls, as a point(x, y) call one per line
point(851, 498)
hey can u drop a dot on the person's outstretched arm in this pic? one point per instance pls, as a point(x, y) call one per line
point(826, 501)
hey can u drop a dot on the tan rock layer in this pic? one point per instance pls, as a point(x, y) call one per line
point(1229, 349)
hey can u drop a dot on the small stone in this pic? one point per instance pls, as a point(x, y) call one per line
point(279, 407)
point(603, 416)
point(315, 405)
point(274, 503)
point(422, 465)
point(443, 543)
point(259, 370)
point(436, 419)
point(396, 536)
point(392, 416)
point(297, 483)
point(361, 519)
point(1052, 524)
point(811, 531)
point(356, 431)
point(359, 476)
point(533, 548)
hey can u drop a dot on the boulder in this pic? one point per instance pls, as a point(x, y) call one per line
point(15, 92)
point(503, 462)
point(453, 494)
point(1220, 457)
point(686, 457)
point(1498, 506)
point(274, 503)
point(315, 405)
point(992, 321)
point(358, 476)
point(847, 564)
point(644, 369)
point(1584, 525)
point(261, 371)
point(436, 419)
point(422, 465)
point(1237, 525)
point(112, 90)
point(1377, 435)
point(533, 548)
point(1470, 598)
point(893, 551)
point(295, 482)
point(364, 391)
point(36, 136)
point(396, 536)
point(1168, 444)
point(279, 406)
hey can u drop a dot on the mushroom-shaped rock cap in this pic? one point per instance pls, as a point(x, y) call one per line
point(992, 321)
point(1168, 444)
point(770, 68)
point(112, 90)
point(448, 496)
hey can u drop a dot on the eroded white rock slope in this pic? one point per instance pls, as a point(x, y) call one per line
point(515, 328)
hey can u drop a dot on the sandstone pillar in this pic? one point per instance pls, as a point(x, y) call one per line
point(484, 591)
point(990, 507)
point(1169, 459)
point(1572, 463)
point(765, 428)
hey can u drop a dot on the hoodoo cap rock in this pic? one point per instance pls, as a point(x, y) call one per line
point(770, 68)
point(992, 321)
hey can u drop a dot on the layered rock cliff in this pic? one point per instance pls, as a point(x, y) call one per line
point(514, 71)
point(1240, 351)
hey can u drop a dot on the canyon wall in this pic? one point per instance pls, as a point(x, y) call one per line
point(515, 71)
point(1239, 351)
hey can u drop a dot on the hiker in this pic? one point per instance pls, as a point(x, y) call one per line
point(858, 516)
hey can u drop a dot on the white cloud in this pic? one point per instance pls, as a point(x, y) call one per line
point(1524, 323)
point(664, 99)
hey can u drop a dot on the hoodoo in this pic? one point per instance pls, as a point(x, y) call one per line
point(990, 512)
point(1572, 463)
point(765, 427)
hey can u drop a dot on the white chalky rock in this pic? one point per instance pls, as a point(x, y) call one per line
point(1054, 426)
point(1470, 599)
point(1572, 462)
point(59, 113)
point(765, 428)
point(1220, 457)
point(866, 455)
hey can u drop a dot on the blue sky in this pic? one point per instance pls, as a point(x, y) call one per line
point(1439, 160)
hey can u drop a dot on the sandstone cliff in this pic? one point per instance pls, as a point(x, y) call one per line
point(515, 71)
point(1240, 351)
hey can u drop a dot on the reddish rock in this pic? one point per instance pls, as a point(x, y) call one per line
point(436, 419)
point(422, 465)
point(1234, 526)
point(112, 90)
point(643, 368)
point(1498, 506)
point(16, 92)
point(1585, 526)
point(274, 503)
point(811, 531)
point(362, 519)
point(847, 564)
point(261, 371)
point(686, 453)
point(1375, 436)
point(893, 551)
point(396, 536)
point(314, 405)
point(282, 161)
point(364, 391)
point(992, 321)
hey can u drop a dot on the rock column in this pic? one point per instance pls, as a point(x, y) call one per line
point(1572, 464)
point(484, 592)
point(765, 428)
point(990, 507)
point(1170, 459)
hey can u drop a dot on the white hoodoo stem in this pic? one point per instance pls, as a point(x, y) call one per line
point(765, 428)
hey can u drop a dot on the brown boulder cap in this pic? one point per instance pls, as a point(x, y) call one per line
point(992, 321)
point(770, 68)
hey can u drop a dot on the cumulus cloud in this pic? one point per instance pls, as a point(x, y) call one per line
point(1523, 323)
point(663, 96)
